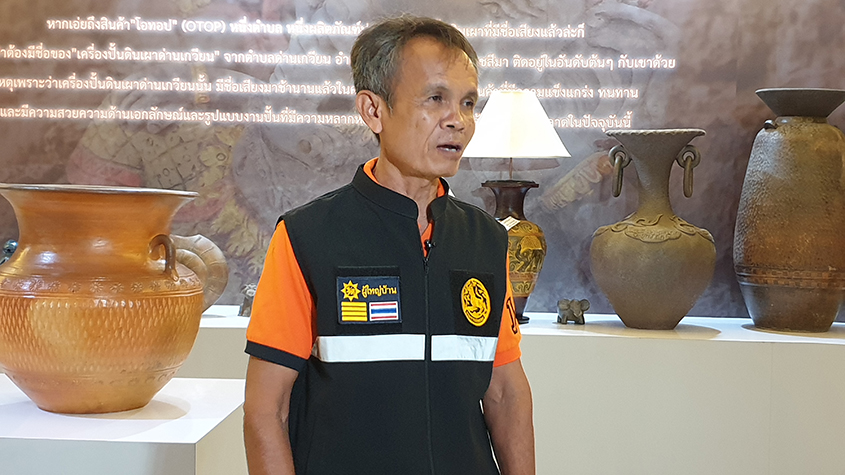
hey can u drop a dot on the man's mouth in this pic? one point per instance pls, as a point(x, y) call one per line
point(451, 147)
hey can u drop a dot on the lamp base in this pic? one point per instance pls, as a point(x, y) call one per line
point(519, 304)
point(526, 241)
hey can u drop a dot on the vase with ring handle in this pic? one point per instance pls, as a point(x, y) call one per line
point(97, 309)
point(653, 265)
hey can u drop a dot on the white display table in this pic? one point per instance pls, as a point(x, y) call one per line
point(193, 426)
point(219, 349)
point(714, 396)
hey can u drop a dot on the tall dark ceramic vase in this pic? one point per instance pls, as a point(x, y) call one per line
point(653, 265)
point(789, 242)
point(526, 241)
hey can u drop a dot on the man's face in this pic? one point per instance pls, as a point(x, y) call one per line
point(431, 119)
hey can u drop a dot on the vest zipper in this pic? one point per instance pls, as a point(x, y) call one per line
point(427, 358)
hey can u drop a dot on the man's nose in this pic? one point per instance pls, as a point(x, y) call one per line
point(457, 118)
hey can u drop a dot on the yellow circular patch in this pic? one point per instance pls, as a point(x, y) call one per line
point(475, 302)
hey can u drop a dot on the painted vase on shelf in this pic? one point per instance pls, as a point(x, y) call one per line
point(789, 241)
point(97, 310)
point(653, 265)
point(526, 241)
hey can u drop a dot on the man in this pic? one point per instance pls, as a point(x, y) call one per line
point(383, 315)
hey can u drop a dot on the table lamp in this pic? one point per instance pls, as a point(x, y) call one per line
point(514, 127)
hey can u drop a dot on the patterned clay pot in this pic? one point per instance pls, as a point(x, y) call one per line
point(96, 313)
point(653, 265)
point(789, 242)
point(526, 241)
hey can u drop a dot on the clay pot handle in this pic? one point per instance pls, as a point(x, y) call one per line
point(620, 159)
point(207, 261)
point(689, 157)
point(169, 254)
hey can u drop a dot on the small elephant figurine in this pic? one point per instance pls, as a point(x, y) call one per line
point(572, 311)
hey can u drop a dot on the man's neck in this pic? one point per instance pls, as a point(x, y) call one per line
point(423, 191)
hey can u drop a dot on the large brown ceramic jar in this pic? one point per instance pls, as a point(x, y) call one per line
point(653, 265)
point(789, 243)
point(96, 314)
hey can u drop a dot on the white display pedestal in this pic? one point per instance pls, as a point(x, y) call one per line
point(713, 396)
point(219, 349)
point(193, 426)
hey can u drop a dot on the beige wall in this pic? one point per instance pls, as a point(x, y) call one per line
point(247, 175)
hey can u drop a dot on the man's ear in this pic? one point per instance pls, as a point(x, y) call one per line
point(372, 109)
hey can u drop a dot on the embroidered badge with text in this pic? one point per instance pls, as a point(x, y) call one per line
point(368, 299)
point(475, 302)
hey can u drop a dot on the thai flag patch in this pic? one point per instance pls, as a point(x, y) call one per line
point(384, 311)
point(368, 299)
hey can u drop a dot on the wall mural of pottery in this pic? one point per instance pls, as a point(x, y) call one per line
point(653, 265)
point(97, 313)
point(526, 241)
point(789, 242)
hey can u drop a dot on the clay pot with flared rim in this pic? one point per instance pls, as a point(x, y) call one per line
point(653, 265)
point(789, 240)
point(96, 313)
point(526, 241)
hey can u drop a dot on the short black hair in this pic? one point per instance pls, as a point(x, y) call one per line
point(377, 52)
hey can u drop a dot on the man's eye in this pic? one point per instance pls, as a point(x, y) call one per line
point(436, 98)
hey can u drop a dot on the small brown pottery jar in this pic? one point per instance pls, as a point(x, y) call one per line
point(653, 265)
point(96, 314)
point(789, 241)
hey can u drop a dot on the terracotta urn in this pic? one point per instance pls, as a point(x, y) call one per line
point(96, 312)
point(789, 241)
point(653, 265)
point(526, 241)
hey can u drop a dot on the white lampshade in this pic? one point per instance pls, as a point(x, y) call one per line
point(513, 124)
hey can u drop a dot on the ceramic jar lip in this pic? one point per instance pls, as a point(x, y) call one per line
point(801, 102)
point(97, 189)
point(509, 184)
point(809, 89)
point(621, 132)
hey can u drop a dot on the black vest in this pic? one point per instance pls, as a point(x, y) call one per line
point(394, 388)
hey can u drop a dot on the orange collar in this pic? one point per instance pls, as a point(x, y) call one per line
point(370, 167)
point(441, 190)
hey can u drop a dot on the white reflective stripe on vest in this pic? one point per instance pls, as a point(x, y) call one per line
point(463, 348)
point(364, 348)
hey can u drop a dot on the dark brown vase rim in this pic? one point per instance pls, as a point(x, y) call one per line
point(823, 89)
point(617, 132)
point(801, 102)
point(97, 189)
point(509, 183)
